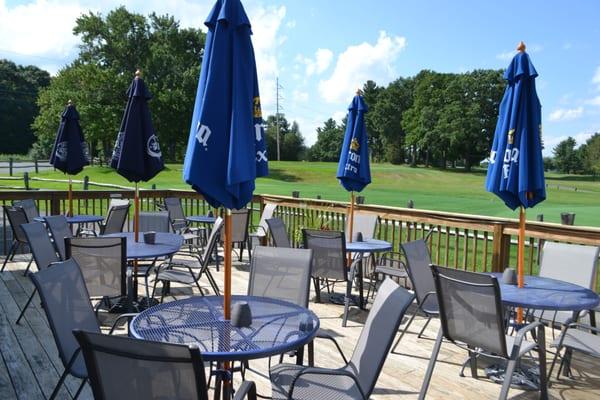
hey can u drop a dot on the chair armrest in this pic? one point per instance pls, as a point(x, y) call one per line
point(246, 390)
point(324, 371)
point(321, 334)
point(119, 318)
point(528, 328)
point(576, 325)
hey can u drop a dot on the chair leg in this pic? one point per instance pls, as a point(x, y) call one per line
point(431, 366)
point(347, 302)
point(28, 266)
point(10, 253)
point(26, 305)
point(80, 389)
point(510, 369)
point(420, 335)
point(311, 353)
point(542, 362)
point(317, 290)
point(59, 384)
point(473, 363)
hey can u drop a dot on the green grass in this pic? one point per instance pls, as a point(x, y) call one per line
point(432, 189)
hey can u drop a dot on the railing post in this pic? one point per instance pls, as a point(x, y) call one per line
point(86, 182)
point(501, 249)
point(10, 166)
point(35, 165)
point(26, 180)
point(55, 204)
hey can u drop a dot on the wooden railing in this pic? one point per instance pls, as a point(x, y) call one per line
point(468, 242)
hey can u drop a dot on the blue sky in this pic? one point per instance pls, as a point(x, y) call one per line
point(323, 50)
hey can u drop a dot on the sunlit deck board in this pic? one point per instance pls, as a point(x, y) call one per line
point(30, 364)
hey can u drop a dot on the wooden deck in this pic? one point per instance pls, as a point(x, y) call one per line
point(30, 365)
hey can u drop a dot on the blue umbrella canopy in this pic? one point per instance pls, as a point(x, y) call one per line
point(70, 153)
point(354, 171)
point(226, 148)
point(137, 156)
point(516, 169)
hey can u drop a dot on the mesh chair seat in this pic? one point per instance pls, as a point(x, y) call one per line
point(581, 340)
point(59, 228)
point(176, 275)
point(310, 387)
point(526, 345)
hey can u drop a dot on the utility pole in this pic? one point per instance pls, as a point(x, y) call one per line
point(279, 108)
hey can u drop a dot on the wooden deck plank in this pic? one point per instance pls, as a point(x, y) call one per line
point(402, 373)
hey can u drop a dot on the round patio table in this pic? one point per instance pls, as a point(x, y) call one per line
point(362, 247)
point(201, 219)
point(277, 327)
point(165, 244)
point(539, 293)
point(547, 294)
point(78, 220)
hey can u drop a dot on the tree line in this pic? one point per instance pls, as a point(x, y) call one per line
point(569, 159)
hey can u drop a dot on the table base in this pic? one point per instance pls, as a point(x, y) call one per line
point(525, 377)
point(339, 298)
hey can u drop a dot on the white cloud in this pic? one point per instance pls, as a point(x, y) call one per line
point(594, 102)
point(291, 24)
point(508, 55)
point(565, 114)
point(596, 78)
point(319, 64)
point(338, 116)
point(299, 96)
point(551, 141)
point(362, 62)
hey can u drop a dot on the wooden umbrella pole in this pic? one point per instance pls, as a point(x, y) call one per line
point(521, 258)
point(227, 261)
point(70, 198)
point(351, 223)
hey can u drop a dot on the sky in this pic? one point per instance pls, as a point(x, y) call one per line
point(323, 50)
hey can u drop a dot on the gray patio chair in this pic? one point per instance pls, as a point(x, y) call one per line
point(239, 231)
point(329, 263)
point(117, 215)
point(30, 208)
point(278, 232)
point(571, 263)
point(42, 250)
point(472, 317)
point(365, 223)
point(191, 235)
point(16, 217)
point(357, 379)
point(575, 337)
point(103, 262)
point(65, 301)
point(260, 231)
point(154, 221)
point(183, 273)
point(60, 229)
point(418, 261)
point(122, 368)
point(285, 273)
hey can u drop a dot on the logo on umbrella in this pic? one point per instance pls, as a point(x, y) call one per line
point(202, 134)
point(85, 151)
point(257, 109)
point(118, 144)
point(354, 145)
point(153, 148)
point(61, 151)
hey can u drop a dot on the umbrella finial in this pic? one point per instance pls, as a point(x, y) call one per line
point(521, 47)
point(359, 92)
point(138, 73)
point(70, 102)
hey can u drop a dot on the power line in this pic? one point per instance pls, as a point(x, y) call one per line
point(278, 97)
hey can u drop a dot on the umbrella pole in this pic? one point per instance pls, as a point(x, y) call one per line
point(70, 198)
point(351, 223)
point(227, 290)
point(136, 213)
point(521, 258)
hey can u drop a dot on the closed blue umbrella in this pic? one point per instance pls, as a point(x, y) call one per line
point(70, 153)
point(516, 168)
point(354, 171)
point(226, 147)
point(137, 156)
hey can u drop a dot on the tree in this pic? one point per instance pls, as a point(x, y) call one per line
point(329, 142)
point(376, 145)
point(566, 157)
point(19, 87)
point(590, 153)
point(112, 48)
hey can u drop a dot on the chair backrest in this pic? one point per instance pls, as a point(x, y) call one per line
point(16, 217)
point(213, 239)
point(40, 244)
point(281, 273)
point(60, 229)
point(122, 368)
point(418, 261)
point(377, 335)
point(239, 225)
point(154, 221)
point(114, 202)
point(329, 253)
point(278, 232)
point(364, 223)
point(176, 215)
point(66, 303)
point(572, 263)
point(30, 208)
point(267, 213)
point(116, 219)
point(103, 262)
point(471, 309)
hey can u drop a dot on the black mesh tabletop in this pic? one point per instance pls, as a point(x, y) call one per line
point(277, 327)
